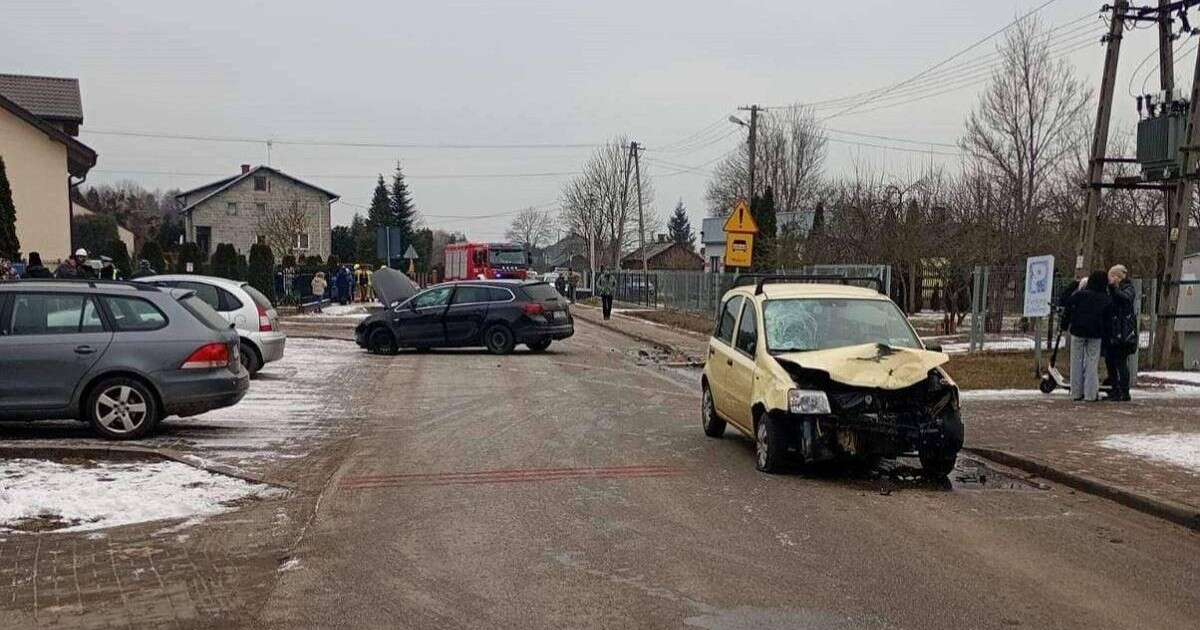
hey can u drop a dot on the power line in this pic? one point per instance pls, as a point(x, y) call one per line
point(334, 143)
point(893, 138)
point(349, 176)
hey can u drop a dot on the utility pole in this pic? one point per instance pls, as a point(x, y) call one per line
point(1166, 77)
point(1087, 227)
point(624, 198)
point(1177, 228)
point(637, 180)
point(754, 110)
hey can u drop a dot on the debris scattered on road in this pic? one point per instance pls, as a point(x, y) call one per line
point(38, 495)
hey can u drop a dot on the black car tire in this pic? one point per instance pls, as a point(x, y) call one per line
point(120, 408)
point(381, 341)
point(498, 339)
point(938, 457)
point(769, 447)
point(1047, 385)
point(713, 425)
point(249, 358)
point(539, 346)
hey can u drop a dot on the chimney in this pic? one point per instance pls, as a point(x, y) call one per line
point(245, 169)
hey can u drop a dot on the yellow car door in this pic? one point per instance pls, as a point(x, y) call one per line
point(741, 368)
point(720, 356)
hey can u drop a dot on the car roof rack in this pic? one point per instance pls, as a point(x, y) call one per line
point(92, 282)
point(760, 279)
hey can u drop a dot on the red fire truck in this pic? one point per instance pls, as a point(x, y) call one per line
point(472, 261)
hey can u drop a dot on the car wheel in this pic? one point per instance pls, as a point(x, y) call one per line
point(714, 427)
point(498, 339)
point(1047, 385)
point(382, 341)
point(539, 346)
point(121, 409)
point(939, 456)
point(768, 444)
point(249, 358)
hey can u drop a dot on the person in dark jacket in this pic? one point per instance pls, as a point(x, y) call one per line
point(1088, 317)
point(341, 281)
point(1123, 331)
point(35, 268)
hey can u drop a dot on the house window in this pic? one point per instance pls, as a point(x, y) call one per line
point(302, 241)
point(261, 208)
point(231, 208)
point(260, 183)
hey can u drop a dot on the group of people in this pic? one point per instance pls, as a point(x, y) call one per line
point(76, 266)
point(1100, 314)
point(348, 285)
point(605, 286)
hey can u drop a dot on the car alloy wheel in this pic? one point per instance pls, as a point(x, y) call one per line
point(499, 340)
point(121, 409)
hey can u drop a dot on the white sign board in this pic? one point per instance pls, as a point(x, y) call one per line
point(1039, 285)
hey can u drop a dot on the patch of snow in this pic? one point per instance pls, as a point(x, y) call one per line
point(1178, 449)
point(1192, 378)
point(1012, 343)
point(344, 311)
point(98, 495)
point(299, 397)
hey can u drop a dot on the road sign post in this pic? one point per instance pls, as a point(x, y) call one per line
point(411, 256)
point(1039, 291)
point(740, 229)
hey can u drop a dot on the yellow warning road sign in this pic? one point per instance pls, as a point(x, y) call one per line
point(739, 236)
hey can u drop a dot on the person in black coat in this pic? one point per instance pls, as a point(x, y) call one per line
point(1122, 339)
point(35, 268)
point(1088, 317)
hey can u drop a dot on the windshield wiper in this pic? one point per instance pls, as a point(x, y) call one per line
point(784, 350)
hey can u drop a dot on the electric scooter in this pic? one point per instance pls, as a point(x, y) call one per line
point(1053, 378)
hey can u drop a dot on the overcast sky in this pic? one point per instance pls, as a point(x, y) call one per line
point(496, 72)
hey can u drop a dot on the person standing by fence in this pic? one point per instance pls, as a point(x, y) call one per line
point(364, 281)
point(1088, 314)
point(1123, 331)
point(318, 288)
point(606, 285)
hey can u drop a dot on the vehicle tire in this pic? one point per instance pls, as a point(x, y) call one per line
point(120, 408)
point(249, 358)
point(713, 425)
point(539, 346)
point(499, 339)
point(1047, 385)
point(938, 458)
point(381, 341)
point(769, 447)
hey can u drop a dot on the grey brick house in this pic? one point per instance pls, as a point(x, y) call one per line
point(230, 211)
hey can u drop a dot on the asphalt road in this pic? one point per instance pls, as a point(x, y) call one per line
point(575, 489)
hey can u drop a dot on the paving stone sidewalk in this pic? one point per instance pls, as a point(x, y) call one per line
point(1050, 429)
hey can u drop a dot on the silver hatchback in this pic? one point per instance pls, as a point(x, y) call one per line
point(120, 356)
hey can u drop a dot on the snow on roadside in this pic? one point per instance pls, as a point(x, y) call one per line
point(81, 497)
point(1015, 343)
point(343, 311)
point(1192, 378)
point(1032, 393)
point(1178, 449)
point(300, 397)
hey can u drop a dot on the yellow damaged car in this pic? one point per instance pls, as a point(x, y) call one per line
point(815, 372)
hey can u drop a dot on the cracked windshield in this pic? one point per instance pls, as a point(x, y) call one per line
point(577, 315)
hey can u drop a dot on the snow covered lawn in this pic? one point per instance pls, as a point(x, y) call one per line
point(1192, 378)
point(1179, 449)
point(42, 495)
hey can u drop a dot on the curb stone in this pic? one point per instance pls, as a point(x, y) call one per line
point(636, 337)
point(1172, 511)
point(36, 448)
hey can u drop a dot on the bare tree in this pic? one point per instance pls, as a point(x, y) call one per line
point(531, 228)
point(789, 156)
point(1023, 127)
point(597, 207)
point(280, 224)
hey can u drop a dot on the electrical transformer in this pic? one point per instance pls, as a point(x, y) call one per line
point(1158, 140)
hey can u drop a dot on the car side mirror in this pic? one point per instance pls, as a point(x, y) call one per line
point(933, 346)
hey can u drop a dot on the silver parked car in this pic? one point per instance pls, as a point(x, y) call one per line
point(118, 355)
point(242, 305)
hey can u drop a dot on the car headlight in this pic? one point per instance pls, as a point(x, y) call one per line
point(808, 401)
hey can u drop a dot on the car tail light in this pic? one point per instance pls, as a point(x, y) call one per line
point(207, 357)
point(264, 320)
point(533, 309)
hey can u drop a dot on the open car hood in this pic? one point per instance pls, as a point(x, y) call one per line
point(392, 286)
point(871, 365)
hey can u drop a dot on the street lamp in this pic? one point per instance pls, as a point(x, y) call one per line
point(737, 121)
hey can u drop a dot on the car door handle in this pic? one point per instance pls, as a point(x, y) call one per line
point(84, 350)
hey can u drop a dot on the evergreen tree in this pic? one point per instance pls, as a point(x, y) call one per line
point(288, 261)
point(225, 261)
point(402, 214)
point(120, 258)
point(341, 243)
point(95, 233)
point(364, 240)
point(260, 272)
point(190, 253)
point(763, 211)
point(680, 227)
point(378, 213)
point(10, 245)
point(152, 253)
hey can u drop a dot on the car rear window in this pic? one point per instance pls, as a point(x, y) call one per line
point(541, 291)
point(259, 299)
point(203, 312)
